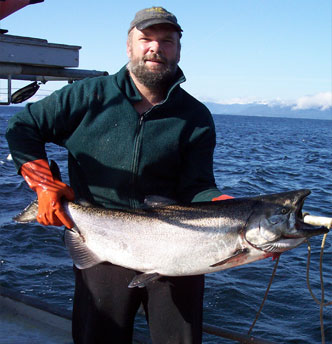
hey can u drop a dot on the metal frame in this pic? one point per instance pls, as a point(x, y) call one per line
point(11, 71)
point(34, 59)
point(9, 91)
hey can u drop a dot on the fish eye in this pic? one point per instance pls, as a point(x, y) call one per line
point(284, 211)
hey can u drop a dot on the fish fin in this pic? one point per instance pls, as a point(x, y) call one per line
point(153, 201)
point(83, 202)
point(235, 255)
point(82, 256)
point(142, 280)
point(29, 214)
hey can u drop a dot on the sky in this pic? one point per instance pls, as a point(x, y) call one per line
point(233, 51)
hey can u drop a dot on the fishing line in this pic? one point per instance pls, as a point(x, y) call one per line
point(326, 222)
point(265, 296)
point(319, 302)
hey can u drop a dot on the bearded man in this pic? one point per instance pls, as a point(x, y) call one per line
point(129, 135)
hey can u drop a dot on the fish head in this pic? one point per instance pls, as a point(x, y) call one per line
point(276, 222)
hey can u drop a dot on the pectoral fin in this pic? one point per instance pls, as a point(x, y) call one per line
point(235, 255)
point(142, 280)
point(82, 256)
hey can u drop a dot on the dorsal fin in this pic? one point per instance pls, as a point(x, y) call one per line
point(155, 201)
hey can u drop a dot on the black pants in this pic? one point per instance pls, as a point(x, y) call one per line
point(105, 308)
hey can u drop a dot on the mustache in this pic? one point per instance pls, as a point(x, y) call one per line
point(155, 57)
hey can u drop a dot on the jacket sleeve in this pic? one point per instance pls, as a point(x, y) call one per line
point(24, 140)
point(48, 120)
point(197, 179)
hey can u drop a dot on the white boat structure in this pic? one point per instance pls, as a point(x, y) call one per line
point(35, 59)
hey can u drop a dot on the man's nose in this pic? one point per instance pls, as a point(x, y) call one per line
point(155, 47)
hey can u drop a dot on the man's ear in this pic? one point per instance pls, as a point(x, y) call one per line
point(128, 48)
point(179, 56)
point(179, 52)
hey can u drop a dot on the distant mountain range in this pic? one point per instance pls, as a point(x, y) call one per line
point(266, 110)
point(253, 109)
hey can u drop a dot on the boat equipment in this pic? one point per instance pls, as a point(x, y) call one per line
point(35, 59)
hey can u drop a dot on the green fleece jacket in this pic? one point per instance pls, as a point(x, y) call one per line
point(117, 157)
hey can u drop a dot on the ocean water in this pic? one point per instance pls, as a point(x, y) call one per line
point(254, 155)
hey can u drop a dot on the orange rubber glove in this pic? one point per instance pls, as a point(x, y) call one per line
point(39, 177)
point(222, 198)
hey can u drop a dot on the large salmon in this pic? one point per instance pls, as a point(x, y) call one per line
point(178, 240)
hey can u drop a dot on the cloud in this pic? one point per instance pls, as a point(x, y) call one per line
point(323, 101)
point(242, 101)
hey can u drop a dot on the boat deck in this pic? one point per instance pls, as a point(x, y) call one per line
point(23, 323)
point(26, 320)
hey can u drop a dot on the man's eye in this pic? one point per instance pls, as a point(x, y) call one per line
point(168, 40)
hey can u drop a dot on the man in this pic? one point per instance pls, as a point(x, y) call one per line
point(129, 135)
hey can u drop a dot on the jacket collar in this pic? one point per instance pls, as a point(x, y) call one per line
point(128, 87)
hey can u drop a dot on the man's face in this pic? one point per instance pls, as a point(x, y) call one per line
point(154, 54)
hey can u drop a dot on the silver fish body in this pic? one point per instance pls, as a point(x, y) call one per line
point(197, 238)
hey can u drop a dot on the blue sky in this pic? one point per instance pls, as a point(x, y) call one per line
point(233, 51)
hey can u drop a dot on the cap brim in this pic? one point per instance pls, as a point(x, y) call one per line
point(145, 24)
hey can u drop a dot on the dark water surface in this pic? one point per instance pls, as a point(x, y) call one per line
point(254, 155)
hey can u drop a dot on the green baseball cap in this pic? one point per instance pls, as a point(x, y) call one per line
point(153, 16)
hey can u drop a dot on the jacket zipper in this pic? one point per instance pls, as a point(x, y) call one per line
point(137, 148)
point(134, 204)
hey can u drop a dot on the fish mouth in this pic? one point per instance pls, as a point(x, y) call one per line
point(303, 229)
point(281, 245)
point(287, 241)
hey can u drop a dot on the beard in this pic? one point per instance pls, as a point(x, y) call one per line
point(157, 79)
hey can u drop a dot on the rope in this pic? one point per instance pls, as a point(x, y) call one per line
point(319, 302)
point(265, 296)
